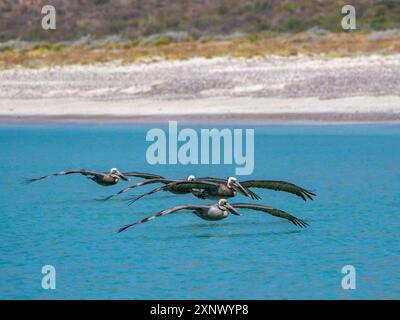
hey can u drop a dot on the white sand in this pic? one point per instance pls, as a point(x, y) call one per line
point(212, 106)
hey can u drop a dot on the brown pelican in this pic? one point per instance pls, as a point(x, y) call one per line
point(202, 189)
point(102, 178)
point(220, 211)
point(269, 184)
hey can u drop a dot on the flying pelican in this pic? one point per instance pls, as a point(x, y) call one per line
point(202, 189)
point(101, 178)
point(269, 184)
point(220, 211)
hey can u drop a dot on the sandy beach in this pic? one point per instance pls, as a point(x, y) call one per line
point(363, 88)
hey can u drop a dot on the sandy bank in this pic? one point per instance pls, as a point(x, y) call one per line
point(364, 108)
point(363, 88)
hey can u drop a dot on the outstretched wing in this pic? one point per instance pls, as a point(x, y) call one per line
point(133, 200)
point(178, 187)
point(279, 186)
point(272, 211)
point(66, 172)
point(143, 175)
point(188, 186)
point(211, 179)
point(162, 213)
point(141, 183)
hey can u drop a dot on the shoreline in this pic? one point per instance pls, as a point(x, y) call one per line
point(233, 119)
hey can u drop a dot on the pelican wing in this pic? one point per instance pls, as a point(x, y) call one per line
point(66, 172)
point(141, 183)
point(211, 179)
point(272, 211)
point(188, 186)
point(131, 201)
point(279, 186)
point(143, 175)
point(178, 186)
point(163, 213)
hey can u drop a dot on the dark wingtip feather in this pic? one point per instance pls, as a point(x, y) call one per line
point(303, 197)
point(123, 228)
point(300, 223)
point(308, 196)
point(303, 224)
point(132, 201)
point(28, 180)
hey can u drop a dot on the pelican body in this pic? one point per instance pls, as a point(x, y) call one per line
point(212, 213)
point(108, 179)
point(223, 190)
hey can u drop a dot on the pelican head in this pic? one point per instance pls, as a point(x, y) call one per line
point(191, 178)
point(231, 180)
point(234, 184)
point(224, 205)
point(116, 172)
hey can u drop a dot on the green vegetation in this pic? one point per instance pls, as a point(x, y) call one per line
point(162, 42)
point(135, 19)
point(44, 46)
point(252, 37)
point(111, 49)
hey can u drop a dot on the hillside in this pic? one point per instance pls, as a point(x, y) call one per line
point(188, 19)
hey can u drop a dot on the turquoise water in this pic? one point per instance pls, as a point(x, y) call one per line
point(354, 169)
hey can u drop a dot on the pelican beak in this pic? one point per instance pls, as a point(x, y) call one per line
point(239, 188)
point(123, 177)
point(232, 210)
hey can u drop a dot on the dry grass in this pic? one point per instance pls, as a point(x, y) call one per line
point(332, 45)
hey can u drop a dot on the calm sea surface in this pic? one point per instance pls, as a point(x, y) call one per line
point(354, 220)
